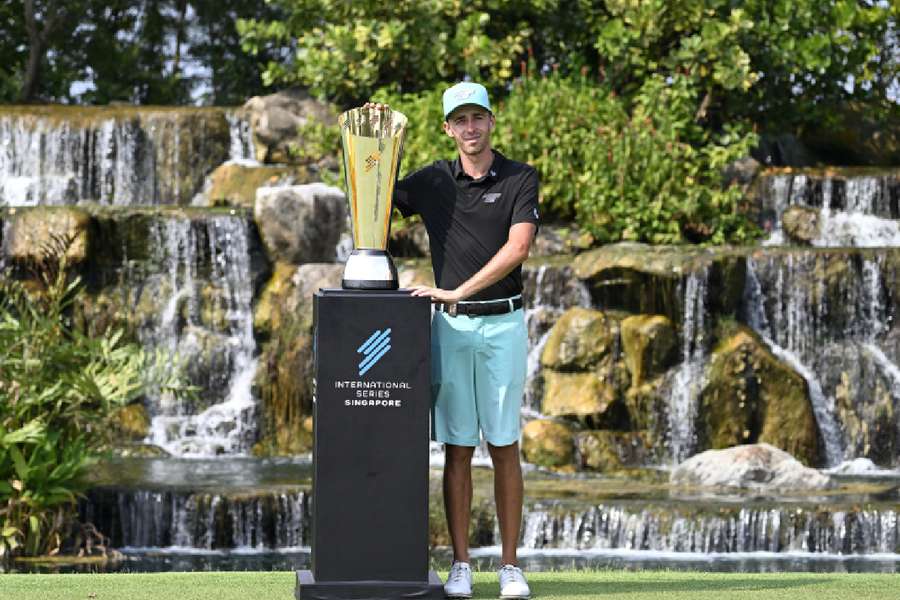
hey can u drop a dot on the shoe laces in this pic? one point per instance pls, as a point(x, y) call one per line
point(513, 571)
point(458, 571)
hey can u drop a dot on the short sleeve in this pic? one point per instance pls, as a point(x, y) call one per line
point(526, 208)
point(409, 191)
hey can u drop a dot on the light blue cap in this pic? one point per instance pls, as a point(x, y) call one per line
point(463, 93)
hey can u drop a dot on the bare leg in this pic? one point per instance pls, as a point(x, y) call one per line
point(458, 497)
point(508, 494)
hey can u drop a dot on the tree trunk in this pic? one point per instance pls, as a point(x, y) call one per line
point(37, 46)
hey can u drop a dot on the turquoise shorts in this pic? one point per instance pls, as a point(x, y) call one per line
point(477, 377)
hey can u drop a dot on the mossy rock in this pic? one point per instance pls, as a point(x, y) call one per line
point(34, 234)
point(609, 451)
point(548, 443)
point(579, 340)
point(751, 397)
point(592, 398)
point(649, 346)
point(235, 184)
point(644, 279)
point(801, 224)
point(131, 422)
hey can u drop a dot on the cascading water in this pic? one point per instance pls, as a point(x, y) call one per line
point(820, 530)
point(688, 379)
point(223, 421)
point(114, 157)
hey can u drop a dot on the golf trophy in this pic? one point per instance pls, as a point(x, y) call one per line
point(372, 140)
point(371, 398)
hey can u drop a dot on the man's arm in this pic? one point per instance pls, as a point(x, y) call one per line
point(512, 254)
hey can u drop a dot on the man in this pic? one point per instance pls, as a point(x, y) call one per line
point(481, 213)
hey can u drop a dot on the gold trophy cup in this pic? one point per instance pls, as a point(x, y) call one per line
point(372, 141)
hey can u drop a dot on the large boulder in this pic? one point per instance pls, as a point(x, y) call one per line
point(548, 443)
point(277, 121)
point(649, 345)
point(300, 223)
point(754, 466)
point(34, 234)
point(579, 340)
point(751, 397)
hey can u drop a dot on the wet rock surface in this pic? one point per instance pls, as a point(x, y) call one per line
point(753, 466)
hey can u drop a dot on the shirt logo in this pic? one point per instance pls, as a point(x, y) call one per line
point(536, 214)
point(491, 198)
point(373, 349)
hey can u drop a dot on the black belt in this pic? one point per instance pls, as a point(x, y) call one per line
point(480, 309)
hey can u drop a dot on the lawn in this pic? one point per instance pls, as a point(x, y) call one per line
point(563, 585)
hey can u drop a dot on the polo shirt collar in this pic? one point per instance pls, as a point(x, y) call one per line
point(493, 173)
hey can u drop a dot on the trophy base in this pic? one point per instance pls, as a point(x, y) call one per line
point(368, 269)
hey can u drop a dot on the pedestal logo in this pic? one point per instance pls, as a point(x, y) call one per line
point(373, 349)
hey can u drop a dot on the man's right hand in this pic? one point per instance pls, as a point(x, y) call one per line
point(376, 106)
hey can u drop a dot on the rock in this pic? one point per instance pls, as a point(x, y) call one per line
point(549, 282)
point(750, 397)
point(410, 241)
point(801, 224)
point(553, 240)
point(753, 466)
point(605, 451)
point(579, 340)
point(864, 402)
point(286, 301)
point(858, 135)
point(131, 422)
point(411, 273)
point(649, 346)
point(742, 171)
point(276, 121)
point(235, 184)
point(644, 279)
point(547, 443)
point(589, 397)
point(34, 234)
point(283, 321)
point(783, 150)
point(300, 223)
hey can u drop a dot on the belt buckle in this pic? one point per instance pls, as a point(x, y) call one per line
point(451, 309)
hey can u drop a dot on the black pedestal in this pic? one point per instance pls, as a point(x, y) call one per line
point(370, 455)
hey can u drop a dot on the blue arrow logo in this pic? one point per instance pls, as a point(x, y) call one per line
point(373, 349)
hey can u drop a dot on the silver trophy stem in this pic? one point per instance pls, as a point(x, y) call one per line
point(368, 269)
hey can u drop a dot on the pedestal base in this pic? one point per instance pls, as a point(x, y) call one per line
point(310, 589)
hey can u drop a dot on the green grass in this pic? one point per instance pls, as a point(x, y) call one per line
point(564, 585)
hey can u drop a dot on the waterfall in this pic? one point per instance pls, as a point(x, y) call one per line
point(727, 529)
point(240, 136)
point(224, 421)
point(143, 519)
point(689, 378)
point(113, 156)
point(794, 335)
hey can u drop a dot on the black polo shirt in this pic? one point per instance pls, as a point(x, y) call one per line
point(468, 219)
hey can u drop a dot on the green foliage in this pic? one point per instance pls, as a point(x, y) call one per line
point(778, 61)
point(58, 388)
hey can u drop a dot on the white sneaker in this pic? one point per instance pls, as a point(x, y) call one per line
point(459, 581)
point(512, 583)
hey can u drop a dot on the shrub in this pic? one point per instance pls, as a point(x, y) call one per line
point(58, 388)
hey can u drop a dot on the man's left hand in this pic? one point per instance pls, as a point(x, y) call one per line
point(437, 294)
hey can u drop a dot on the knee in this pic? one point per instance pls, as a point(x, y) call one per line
point(504, 454)
point(458, 456)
